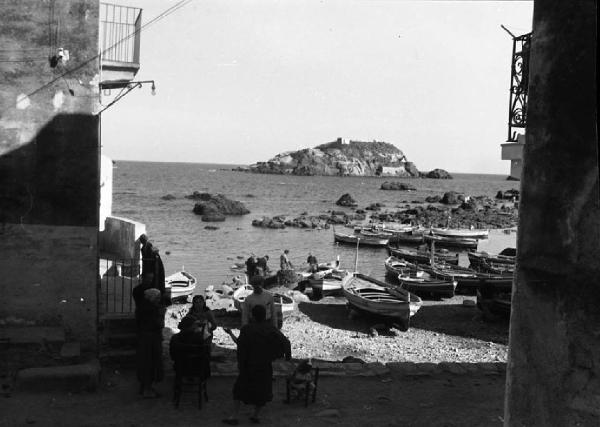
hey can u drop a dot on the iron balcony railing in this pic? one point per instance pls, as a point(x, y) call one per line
point(519, 83)
point(120, 28)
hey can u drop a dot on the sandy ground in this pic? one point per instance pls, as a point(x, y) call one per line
point(393, 400)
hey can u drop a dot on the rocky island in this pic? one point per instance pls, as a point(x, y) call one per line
point(342, 157)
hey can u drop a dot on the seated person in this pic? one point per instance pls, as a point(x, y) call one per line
point(299, 378)
point(190, 345)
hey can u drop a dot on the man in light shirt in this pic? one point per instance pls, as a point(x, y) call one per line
point(259, 297)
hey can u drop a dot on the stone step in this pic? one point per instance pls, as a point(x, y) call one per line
point(71, 378)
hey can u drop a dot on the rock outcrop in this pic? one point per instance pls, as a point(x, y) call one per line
point(342, 158)
point(346, 200)
point(213, 208)
point(437, 174)
point(401, 186)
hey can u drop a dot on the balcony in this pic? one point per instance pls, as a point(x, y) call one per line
point(120, 28)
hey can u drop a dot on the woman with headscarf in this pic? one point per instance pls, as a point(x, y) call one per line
point(258, 345)
point(151, 321)
point(204, 320)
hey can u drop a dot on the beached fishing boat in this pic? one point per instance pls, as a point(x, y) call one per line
point(283, 303)
point(376, 297)
point(179, 285)
point(327, 282)
point(423, 256)
point(364, 238)
point(452, 242)
point(494, 299)
point(460, 232)
point(476, 258)
point(428, 285)
point(468, 279)
point(395, 266)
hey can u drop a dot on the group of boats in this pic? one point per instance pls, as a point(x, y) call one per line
point(413, 273)
point(404, 234)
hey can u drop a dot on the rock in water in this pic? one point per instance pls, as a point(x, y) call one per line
point(341, 157)
point(346, 200)
point(214, 208)
point(438, 174)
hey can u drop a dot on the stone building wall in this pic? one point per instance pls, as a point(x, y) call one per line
point(49, 165)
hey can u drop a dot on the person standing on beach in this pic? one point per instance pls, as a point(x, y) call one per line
point(258, 344)
point(284, 261)
point(259, 297)
point(147, 254)
point(251, 266)
point(152, 264)
point(151, 321)
point(262, 267)
point(313, 264)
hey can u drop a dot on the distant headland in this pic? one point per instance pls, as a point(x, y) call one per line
point(342, 157)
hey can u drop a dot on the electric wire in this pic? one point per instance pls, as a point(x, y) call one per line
point(157, 18)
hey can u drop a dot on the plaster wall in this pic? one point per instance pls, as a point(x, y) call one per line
point(120, 238)
point(553, 376)
point(49, 164)
point(106, 188)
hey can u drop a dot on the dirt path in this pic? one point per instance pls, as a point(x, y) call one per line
point(393, 400)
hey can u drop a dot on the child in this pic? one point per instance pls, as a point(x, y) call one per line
point(301, 376)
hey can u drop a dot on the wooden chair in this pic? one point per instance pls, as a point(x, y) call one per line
point(306, 391)
point(192, 369)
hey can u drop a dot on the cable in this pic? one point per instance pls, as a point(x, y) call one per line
point(159, 17)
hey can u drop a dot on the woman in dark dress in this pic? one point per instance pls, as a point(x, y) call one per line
point(151, 321)
point(258, 345)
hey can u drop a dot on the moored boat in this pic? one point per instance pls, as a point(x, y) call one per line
point(412, 237)
point(476, 258)
point(452, 242)
point(371, 295)
point(180, 285)
point(363, 238)
point(395, 266)
point(461, 232)
point(423, 256)
point(326, 282)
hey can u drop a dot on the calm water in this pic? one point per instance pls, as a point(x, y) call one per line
point(209, 254)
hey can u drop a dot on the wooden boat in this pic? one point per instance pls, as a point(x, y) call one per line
point(395, 266)
point(283, 303)
point(363, 238)
point(452, 242)
point(469, 280)
point(423, 256)
point(327, 281)
point(180, 285)
point(412, 237)
point(476, 258)
point(494, 299)
point(460, 232)
point(428, 285)
point(371, 295)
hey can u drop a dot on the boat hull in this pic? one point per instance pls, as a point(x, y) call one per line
point(180, 285)
point(362, 239)
point(452, 242)
point(422, 286)
point(373, 296)
point(456, 232)
point(423, 257)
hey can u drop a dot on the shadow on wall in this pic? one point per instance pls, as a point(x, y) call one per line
point(54, 178)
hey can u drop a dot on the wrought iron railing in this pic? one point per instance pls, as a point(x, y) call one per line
point(120, 28)
point(519, 82)
point(118, 277)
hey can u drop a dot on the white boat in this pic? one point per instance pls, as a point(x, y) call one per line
point(327, 281)
point(283, 303)
point(363, 238)
point(461, 232)
point(179, 285)
point(376, 297)
point(452, 242)
point(395, 266)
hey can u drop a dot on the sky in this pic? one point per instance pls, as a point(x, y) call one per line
point(238, 82)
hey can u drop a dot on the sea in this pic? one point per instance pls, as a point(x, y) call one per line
point(210, 255)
